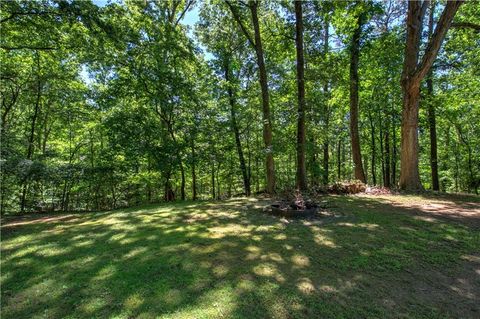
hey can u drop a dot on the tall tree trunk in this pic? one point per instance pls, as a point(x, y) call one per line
point(213, 179)
point(31, 137)
point(409, 173)
point(339, 163)
point(179, 158)
point(194, 175)
point(267, 122)
point(256, 43)
point(413, 73)
point(236, 131)
point(355, 138)
point(301, 176)
point(373, 149)
point(394, 152)
point(182, 182)
point(386, 179)
point(327, 112)
point(382, 150)
point(431, 113)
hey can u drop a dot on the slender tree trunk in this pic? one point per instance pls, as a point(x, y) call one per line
point(431, 113)
point(301, 176)
point(182, 183)
point(267, 121)
point(194, 175)
point(327, 113)
point(339, 163)
point(354, 58)
point(394, 153)
point(256, 42)
point(373, 149)
point(382, 151)
point(386, 180)
point(213, 180)
point(236, 131)
point(31, 137)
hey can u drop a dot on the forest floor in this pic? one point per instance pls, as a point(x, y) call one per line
point(390, 256)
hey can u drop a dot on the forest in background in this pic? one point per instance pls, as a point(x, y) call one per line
point(116, 105)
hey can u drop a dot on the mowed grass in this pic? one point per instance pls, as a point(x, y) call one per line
point(228, 259)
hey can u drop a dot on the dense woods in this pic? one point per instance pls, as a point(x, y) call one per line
point(113, 104)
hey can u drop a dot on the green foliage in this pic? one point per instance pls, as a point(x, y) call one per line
point(116, 105)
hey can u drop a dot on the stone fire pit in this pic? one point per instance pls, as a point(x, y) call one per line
point(295, 208)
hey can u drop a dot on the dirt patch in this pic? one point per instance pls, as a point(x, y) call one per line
point(434, 208)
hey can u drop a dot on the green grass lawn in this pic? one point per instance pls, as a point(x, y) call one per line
point(385, 257)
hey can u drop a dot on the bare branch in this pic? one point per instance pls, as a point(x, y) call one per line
point(187, 6)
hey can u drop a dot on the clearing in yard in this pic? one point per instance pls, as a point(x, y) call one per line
point(391, 256)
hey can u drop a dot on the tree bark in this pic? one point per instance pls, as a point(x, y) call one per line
point(213, 179)
point(31, 137)
point(413, 73)
point(301, 175)
point(327, 113)
point(236, 131)
point(355, 138)
point(339, 165)
point(267, 122)
point(386, 180)
point(256, 43)
point(373, 149)
point(194, 175)
point(431, 114)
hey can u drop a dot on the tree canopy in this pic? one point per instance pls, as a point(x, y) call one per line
point(112, 105)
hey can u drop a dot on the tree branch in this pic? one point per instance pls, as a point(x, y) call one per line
point(187, 6)
point(434, 44)
point(237, 18)
point(466, 25)
point(26, 47)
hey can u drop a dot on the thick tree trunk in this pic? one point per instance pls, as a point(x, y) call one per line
point(301, 175)
point(409, 173)
point(236, 131)
point(355, 138)
point(413, 73)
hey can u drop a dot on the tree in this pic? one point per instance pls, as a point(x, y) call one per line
point(354, 83)
point(256, 43)
point(301, 176)
point(431, 111)
point(413, 73)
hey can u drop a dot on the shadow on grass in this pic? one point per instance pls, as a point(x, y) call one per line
point(228, 259)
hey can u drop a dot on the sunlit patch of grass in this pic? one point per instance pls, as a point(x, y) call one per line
point(229, 260)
